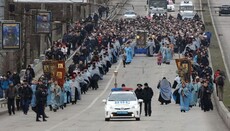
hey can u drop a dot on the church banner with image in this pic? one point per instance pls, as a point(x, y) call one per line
point(11, 35)
point(43, 22)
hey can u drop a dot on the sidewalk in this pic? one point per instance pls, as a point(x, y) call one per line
point(38, 67)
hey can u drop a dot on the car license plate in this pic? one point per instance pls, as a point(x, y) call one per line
point(122, 112)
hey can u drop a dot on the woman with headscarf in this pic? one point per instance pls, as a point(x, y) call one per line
point(197, 87)
point(184, 97)
point(128, 51)
point(165, 91)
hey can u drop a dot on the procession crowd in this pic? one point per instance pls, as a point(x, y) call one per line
point(100, 45)
point(193, 86)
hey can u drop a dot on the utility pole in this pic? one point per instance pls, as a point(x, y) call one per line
point(76, 12)
point(10, 59)
point(2, 11)
point(42, 36)
point(26, 21)
point(64, 14)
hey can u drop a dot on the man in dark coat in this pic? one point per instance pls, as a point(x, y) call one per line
point(220, 86)
point(26, 96)
point(147, 96)
point(31, 71)
point(29, 74)
point(11, 93)
point(139, 93)
point(76, 58)
point(16, 78)
point(95, 18)
point(40, 103)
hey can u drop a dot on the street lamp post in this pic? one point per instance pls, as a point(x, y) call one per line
point(115, 74)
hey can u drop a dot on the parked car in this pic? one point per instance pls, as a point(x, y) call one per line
point(224, 9)
point(170, 5)
point(130, 14)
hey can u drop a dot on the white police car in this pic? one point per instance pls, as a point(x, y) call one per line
point(122, 104)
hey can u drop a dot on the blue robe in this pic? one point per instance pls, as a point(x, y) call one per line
point(197, 87)
point(163, 52)
point(150, 47)
point(33, 100)
point(62, 97)
point(195, 59)
point(184, 98)
point(49, 101)
point(165, 91)
point(168, 55)
point(129, 54)
point(67, 89)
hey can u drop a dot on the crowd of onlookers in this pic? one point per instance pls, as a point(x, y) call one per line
point(75, 36)
point(99, 44)
point(90, 63)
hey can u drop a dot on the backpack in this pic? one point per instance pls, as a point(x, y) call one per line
point(220, 81)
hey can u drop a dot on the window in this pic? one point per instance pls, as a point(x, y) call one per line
point(122, 97)
point(130, 13)
point(186, 8)
point(225, 8)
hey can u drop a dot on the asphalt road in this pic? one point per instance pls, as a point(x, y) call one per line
point(222, 27)
point(88, 114)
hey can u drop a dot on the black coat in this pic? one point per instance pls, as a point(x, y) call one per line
point(40, 101)
point(26, 93)
point(76, 59)
point(147, 94)
point(31, 70)
point(40, 97)
point(16, 79)
point(139, 93)
point(72, 67)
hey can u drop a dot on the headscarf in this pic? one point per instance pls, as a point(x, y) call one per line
point(165, 89)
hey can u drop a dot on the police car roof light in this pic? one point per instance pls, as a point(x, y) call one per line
point(122, 89)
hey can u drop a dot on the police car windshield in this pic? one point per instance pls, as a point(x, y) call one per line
point(122, 97)
point(188, 8)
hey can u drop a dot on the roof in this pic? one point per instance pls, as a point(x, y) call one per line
point(51, 1)
point(129, 11)
point(225, 6)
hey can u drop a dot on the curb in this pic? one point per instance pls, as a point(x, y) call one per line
point(222, 110)
point(3, 112)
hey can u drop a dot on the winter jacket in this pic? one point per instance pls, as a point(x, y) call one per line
point(147, 94)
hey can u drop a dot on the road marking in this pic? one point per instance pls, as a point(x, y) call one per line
point(89, 106)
